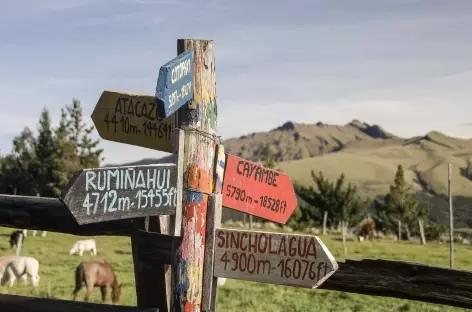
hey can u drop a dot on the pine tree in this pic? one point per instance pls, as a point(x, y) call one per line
point(268, 157)
point(79, 134)
point(15, 172)
point(399, 205)
point(340, 201)
point(46, 168)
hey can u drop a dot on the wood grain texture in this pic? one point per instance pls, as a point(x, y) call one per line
point(104, 194)
point(209, 280)
point(179, 145)
point(403, 280)
point(275, 258)
point(13, 303)
point(50, 214)
point(220, 159)
point(199, 124)
point(143, 126)
point(152, 254)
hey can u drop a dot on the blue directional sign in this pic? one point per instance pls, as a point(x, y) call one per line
point(175, 83)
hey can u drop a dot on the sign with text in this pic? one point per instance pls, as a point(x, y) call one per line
point(175, 83)
point(112, 193)
point(275, 258)
point(132, 119)
point(249, 187)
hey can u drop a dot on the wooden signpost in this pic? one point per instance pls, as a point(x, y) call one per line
point(133, 119)
point(175, 83)
point(112, 193)
point(275, 258)
point(253, 189)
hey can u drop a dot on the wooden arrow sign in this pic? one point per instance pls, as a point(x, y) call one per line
point(175, 83)
point(275, 258)
point(259, 191)
point(132, 119)
point(112, 193)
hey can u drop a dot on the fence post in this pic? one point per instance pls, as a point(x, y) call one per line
point(399, 230)
point(198, 119)
point(451, 219)
point(423, 239)
point(325, 221)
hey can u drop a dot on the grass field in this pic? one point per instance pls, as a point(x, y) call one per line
point(57, 275)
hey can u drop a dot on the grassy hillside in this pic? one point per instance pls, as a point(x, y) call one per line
point(57, 275)
point(368, 155)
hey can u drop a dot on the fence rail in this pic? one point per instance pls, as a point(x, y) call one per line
point(50, 214)
point(403, 280)
point(14, 303)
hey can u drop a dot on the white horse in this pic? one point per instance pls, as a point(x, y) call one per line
point(84, 245)
point(21, 268)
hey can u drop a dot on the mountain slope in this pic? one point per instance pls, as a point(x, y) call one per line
point(367, 154)
point(298, 141)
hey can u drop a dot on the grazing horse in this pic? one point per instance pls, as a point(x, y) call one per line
point(84, 245)
point(97, 273)
point(15, 237)
point(368, 229)
point(22, 268)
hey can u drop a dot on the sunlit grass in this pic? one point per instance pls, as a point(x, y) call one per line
point(57, 274)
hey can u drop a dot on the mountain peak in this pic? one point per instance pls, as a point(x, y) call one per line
point(287, 126)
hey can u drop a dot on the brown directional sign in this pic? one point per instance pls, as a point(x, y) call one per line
point(275, 258)
point(112, 193)
point(132, 119)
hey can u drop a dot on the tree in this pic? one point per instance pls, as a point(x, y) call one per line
point(45, 163)
point(268, 157)
point(399, 205)
point(341, 201)
point(15, 176)
point(79, 134)
point(46, 167)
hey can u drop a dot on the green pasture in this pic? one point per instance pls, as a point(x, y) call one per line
point(57, 275)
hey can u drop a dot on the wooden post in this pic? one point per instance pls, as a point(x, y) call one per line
point(451, 219)
point(399, 230)
point(210, 282)
point(35, 231)
point(152, 276)
point(423, 239)
point(156, 274)
point(343, 229)
point(325, 221)
point(198, 119)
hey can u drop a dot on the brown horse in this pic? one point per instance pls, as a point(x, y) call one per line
point(368, 229)
point(96, 273)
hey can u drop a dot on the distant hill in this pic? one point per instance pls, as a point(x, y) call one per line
point(367, 154)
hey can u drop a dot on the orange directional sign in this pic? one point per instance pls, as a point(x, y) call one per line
point(259, 191)
point(275, 258)
point(132, 119)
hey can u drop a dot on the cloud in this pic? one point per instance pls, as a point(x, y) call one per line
point(405, 65)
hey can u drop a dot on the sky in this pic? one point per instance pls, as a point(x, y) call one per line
point(403, 64)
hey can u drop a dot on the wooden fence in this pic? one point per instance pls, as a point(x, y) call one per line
point(370, 277)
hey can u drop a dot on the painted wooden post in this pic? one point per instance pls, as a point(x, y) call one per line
point(198, 120)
